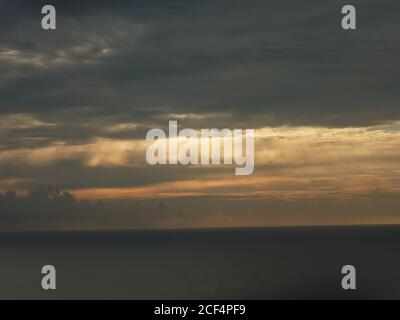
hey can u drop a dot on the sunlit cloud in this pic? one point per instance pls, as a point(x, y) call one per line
point(291, 163)
point(19, 121)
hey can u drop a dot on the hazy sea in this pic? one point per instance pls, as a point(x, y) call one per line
point(275, 263)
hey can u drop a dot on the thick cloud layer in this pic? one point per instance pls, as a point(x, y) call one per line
point(76, 103)
point(289, 62)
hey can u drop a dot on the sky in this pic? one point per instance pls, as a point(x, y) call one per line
point(76, 104)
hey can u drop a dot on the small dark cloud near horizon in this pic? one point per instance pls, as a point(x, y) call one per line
point(52, 208)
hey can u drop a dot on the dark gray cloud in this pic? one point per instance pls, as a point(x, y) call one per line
point(129, 59)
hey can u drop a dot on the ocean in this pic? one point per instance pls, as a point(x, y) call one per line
point(259, 263)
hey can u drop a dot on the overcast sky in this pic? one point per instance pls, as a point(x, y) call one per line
point(76, 103)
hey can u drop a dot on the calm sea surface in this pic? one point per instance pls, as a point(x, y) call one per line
point(278, 263)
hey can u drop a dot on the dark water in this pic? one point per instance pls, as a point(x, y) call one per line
point(293, 263)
